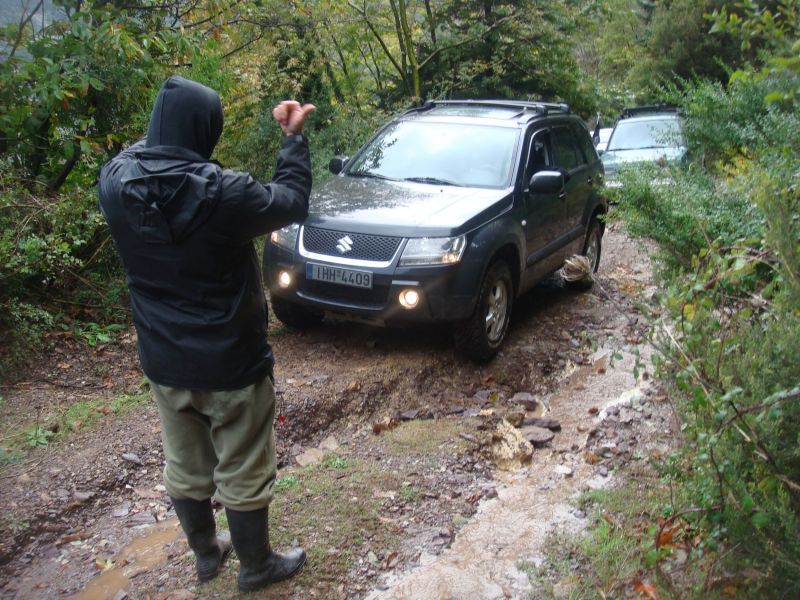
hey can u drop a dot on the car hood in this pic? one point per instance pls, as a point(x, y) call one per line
point(403, 208)
point(614, 158)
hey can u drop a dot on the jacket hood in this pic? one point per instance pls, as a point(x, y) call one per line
point(166, 200)
point(187, 115)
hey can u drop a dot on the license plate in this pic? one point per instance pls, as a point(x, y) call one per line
point(350, 277)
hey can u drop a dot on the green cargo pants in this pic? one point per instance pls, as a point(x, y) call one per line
point(219, 443)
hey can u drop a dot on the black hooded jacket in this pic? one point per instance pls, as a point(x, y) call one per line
point(184, 228)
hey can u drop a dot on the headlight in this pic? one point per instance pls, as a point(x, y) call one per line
point(286, 237)
point(433, 251)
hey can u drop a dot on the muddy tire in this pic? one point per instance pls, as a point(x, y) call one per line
point(295, 315)
point(592, 248)
point(481, 336)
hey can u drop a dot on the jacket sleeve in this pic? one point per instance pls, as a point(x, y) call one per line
point(255, 209)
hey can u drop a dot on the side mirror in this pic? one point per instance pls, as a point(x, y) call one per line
point(337, 164)
point(547, 182)
point(600, 152)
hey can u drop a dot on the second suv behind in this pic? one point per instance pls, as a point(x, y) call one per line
point(645, 134)
point(448, 213)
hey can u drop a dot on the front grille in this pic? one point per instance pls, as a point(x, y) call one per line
point(372, 298)
point(364, 246)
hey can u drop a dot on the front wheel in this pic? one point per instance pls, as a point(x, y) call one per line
point(592, 248)
point(481, 336)
point(295, 315)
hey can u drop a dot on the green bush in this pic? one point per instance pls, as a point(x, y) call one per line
point(56, 257)
point(728, 233)
point(687, 214)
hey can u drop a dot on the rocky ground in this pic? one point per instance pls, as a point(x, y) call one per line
point(397, 456)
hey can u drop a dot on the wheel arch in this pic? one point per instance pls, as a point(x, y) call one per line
point(510, 254)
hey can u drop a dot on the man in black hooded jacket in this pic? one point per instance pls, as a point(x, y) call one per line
point(184, 227)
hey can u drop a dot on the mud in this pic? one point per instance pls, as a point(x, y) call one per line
point(484, 562)
point(85, 520)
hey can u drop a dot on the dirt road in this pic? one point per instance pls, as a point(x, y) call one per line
point(387, 475)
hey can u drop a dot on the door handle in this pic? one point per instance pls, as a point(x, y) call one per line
point(589, 180)
point(562, 196)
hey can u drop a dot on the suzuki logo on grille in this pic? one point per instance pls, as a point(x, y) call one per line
point(344, 245)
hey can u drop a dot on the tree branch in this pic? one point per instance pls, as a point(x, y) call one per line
point(24, 20)
point(379, 39)
point(243, 46)
point(438, 51)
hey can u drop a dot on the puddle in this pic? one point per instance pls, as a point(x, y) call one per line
point(141, 554)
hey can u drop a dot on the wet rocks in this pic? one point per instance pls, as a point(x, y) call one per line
point(543, 422)
point(525, 400)
point(510, 450)
point(132, 458)
point(537, 436)
point(563, 470)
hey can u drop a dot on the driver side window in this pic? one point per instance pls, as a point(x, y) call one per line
point(538, 155)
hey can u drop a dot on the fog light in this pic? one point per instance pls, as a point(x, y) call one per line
point(409, 298)
point(284, 279)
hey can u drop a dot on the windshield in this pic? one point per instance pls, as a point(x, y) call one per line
point(655, 133)
point(439, 153)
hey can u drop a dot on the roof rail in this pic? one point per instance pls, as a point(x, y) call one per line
point(427, 105)
point(539, 107)
point(635, 111)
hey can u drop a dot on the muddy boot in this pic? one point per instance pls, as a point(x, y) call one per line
point(260, 566)
point(197, 521)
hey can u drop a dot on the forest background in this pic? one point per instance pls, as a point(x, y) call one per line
point(78, 79)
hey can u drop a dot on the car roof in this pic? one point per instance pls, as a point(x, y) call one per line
point(669, 116)
point(511, 113)
point(649, 109)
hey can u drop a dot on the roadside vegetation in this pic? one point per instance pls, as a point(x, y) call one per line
point(721, 515)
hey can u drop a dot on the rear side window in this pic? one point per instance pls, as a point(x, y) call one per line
point(585, 143)
point(565, 149)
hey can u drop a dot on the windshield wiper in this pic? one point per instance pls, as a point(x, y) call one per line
point(370, 174)
point(433, 180)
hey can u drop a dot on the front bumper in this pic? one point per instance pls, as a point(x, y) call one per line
point(447, 292)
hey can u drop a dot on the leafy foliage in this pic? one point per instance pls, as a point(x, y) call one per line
point(49, 244)
point(728, 232)
point(69, 90)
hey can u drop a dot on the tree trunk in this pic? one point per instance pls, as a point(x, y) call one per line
point(59, 179)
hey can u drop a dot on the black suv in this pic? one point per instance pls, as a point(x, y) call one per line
point(448, 213)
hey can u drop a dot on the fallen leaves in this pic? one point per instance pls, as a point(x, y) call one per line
point(391, 560)
point(104, 564)
point(645, 589)
point(591, 458)
point(385, 425)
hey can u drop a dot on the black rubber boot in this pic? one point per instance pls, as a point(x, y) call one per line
point(197, 521)
point(260, 566)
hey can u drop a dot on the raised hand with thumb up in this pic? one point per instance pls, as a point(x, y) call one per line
point(291, 116)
